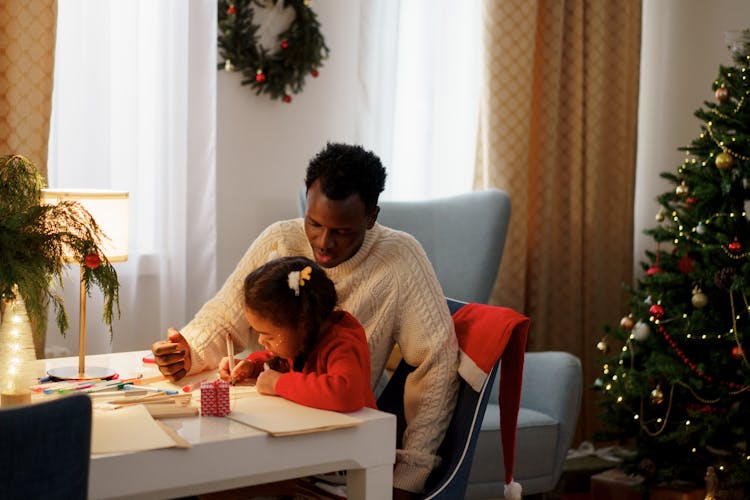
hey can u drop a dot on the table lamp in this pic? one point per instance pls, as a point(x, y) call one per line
point(110, 211)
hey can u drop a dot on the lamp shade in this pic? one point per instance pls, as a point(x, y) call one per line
point(109, 209)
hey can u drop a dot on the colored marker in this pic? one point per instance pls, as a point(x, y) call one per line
point(131, 387)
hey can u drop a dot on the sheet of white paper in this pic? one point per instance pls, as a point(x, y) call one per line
point(280, 417)
point(127, 429)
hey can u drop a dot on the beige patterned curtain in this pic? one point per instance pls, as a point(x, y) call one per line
point(558, 132)
point(27, 55)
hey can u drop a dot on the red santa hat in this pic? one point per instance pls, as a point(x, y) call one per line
point(485, 334)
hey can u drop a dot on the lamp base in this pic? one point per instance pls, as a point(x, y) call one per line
point(72, 373)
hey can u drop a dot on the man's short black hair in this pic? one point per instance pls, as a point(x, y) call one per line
point(345, 169)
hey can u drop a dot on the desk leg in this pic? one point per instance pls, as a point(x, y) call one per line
point(373, 483)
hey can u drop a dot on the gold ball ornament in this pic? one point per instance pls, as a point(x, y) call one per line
point(699, 299)
point(660, 215)
point(228, 66)
point(724, 161)
point(657, 396)
point(682, 189)
point(627, 322)
point(722, 93)
point(603, 345)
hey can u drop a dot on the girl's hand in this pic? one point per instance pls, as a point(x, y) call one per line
point(266, 383)
point(243, 369)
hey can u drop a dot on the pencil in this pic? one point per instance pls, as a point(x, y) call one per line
point(230, 353)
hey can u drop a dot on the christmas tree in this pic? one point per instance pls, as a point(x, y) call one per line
point(675, 379)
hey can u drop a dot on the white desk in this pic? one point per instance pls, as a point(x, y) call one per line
point(226, 454)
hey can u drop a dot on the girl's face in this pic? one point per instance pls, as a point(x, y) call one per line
point(281, 340)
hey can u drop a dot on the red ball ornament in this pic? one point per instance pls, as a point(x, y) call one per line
point(284, 44)
point(287, 98)
point(686, 265)
point(737, 352)
point(92, 261)
point(657, 311)
point(654, 270)
point(722, 93)
point(314, 73)
point(690, 202)
point(231, 10)
point(260, 77)
point(735, 247)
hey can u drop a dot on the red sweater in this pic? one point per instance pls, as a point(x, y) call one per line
point(336, 375)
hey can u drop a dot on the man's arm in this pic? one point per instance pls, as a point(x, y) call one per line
point(427, 340)
point(206, 333)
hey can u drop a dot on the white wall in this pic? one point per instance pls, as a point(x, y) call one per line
point(682, 48)
point(263, 146)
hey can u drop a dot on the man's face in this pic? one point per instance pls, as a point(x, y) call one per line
point(335, 228)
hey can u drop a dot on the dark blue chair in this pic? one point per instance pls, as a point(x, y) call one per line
point(449, 480)
point(45, 449)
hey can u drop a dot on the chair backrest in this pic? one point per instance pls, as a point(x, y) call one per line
point(45, 449)
point(463, 236)
point(449, 480)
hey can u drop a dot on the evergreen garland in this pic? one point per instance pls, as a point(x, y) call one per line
point(281, 71)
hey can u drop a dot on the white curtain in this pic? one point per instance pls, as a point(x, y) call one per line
point(134, 109)
point(419, 72)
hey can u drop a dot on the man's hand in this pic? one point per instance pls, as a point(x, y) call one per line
point(172, 356)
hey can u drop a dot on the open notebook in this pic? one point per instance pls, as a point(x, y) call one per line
point(280, 417)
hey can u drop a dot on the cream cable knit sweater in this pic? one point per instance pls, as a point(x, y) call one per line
point(391, 288)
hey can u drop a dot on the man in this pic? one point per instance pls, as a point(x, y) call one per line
point(382, 277)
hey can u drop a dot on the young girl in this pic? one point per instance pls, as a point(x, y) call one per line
point(315, 355)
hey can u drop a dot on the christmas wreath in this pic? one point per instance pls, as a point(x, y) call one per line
point(280, 72)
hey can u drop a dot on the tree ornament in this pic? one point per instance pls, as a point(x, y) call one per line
point(228, 66)
point(627, 322)
point(298, 51)
point(724, 161)
point(92, 261)
point(724, 277)
point(699, 299)
point(735, 247)
point(660, 215)
point(722, 93)
point(657, 396)
point(314, 73)
point(603, 345)
point(657, 311)
point(686, 264)
point(682, 189)
point(700, 228)
point(640, 331)
point(654, 270)
point(690, 202)
point(646, 468)
point(738, 352)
